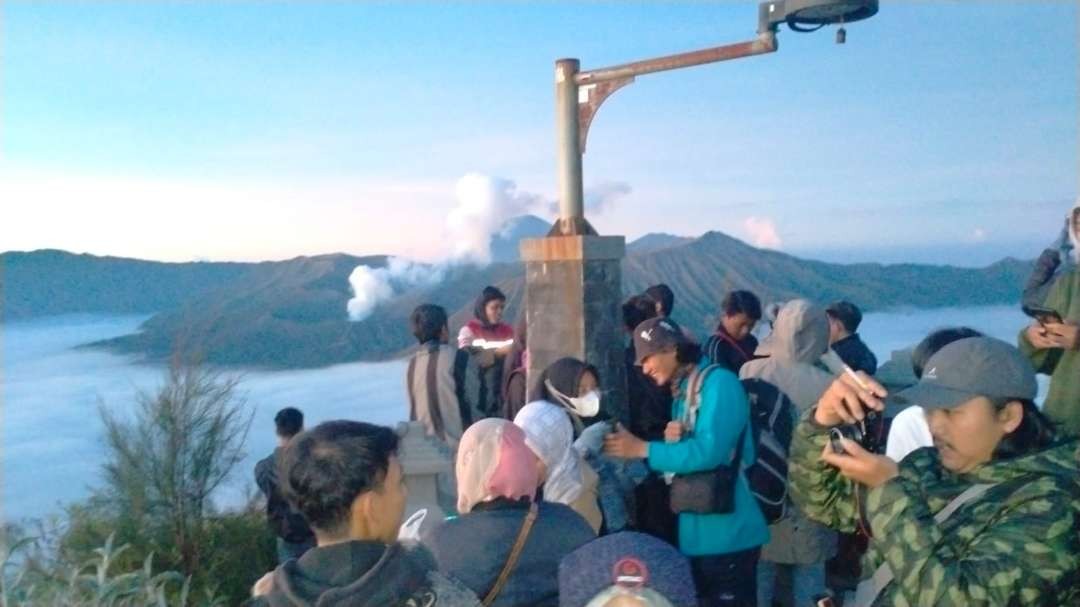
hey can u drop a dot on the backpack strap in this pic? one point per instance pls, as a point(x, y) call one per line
point(694, 384)
point(515, 554)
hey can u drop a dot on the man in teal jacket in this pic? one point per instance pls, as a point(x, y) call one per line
point(723, 548)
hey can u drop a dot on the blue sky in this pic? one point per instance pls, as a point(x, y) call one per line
point(940, 132)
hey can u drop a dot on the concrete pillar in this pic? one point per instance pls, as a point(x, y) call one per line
point(573, 293)
point(426, 463)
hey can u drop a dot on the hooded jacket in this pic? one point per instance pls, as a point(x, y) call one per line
point(442, 384)
point(1057, 260)
point(799, 337)
point(1016, 544)
point(364, 574)
point(722, 416)
point(489, 365)
point(479, 327)
point(564, 375)
point(474, 548)
point(1063, 400)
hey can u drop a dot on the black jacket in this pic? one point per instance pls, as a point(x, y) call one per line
point(364, 574)
point(287, 523)
point(474, 547)
point(724, 350)
point(649, 404)
point(855, 354)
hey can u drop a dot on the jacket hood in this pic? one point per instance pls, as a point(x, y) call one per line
point(800, 333)
point(353, 573)
point(1059, 460)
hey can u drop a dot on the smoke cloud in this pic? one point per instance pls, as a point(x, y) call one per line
point(485, 204)
point(372, 286)
point(599, 198)
point(762, 232)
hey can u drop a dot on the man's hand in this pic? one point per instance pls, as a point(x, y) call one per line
point(1039, 337)
point(860, 465)
point(1063, 335)
point(845, 402)
point(673, 432)
point(504, 350)
point(622, 444)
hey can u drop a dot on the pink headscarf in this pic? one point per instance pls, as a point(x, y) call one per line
point(494, 461)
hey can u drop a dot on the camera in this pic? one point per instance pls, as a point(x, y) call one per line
point(869, 433)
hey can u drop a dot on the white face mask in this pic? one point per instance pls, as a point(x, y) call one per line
point(586, 405)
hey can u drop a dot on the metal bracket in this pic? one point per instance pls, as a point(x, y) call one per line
point(590, 96)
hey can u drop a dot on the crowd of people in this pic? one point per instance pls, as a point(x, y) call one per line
point(745, 473)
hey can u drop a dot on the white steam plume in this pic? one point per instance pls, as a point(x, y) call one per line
point(484, 206)
point(600, 197)
point(372, 286)
point(762, 232)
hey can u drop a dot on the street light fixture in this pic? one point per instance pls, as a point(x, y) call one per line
point(578, 94)
point(573, 278)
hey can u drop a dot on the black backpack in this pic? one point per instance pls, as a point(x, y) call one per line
point(772, 422)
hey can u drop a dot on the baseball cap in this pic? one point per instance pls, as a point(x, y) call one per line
point(626, 564)
point(656, 335)
point(969, 368)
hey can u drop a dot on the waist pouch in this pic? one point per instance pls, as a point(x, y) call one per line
point(708, 492)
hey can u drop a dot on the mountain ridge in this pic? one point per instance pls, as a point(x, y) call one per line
point(292, 313)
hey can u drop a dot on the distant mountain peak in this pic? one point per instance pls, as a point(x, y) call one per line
point(505, 246)
point(657, 241)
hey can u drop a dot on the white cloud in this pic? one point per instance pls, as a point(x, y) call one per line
point(762, 232)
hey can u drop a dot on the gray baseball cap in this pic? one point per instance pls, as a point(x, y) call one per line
point(972, 367)
point(656, 335)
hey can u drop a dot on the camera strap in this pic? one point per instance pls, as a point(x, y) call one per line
point(869, 590)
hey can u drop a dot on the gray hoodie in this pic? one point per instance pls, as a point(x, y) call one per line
point(800, 336)
point(1058, 259)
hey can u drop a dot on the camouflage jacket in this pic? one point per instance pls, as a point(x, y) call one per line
point(1018, 544)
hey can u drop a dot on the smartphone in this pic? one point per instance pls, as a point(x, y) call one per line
point(1043, 315)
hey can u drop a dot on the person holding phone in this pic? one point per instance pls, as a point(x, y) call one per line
point(1052, 342)
point(989, 516)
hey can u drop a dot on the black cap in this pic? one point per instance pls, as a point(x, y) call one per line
point(969, 368)
point(656, 335)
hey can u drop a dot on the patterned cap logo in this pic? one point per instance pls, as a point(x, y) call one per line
point(630, 573)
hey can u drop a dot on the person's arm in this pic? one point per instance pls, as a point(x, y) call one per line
point(264, 476)
point(461, 389)
point(722, 416)
point(1042, 355)
point(1038, 283)
point(465, 337)
point(820, 491)
point(1031, 548)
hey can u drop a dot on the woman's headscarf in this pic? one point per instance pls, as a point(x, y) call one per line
point(489, 295)
point(550, 435)
point(565, 376)
point(493, 461)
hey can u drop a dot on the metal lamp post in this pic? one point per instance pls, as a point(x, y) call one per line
point(573, 277)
